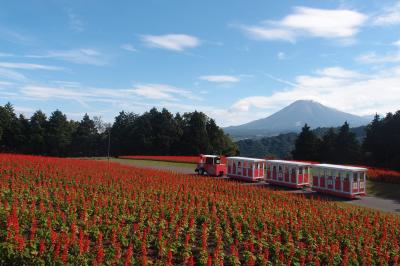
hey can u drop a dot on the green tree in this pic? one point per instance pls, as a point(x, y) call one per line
point(307, 145)
point(348, 150)
point(58, 134)
point(194, 138)
point(327, 150)
point(382, 143)
point(85, 138)
point(123, 137)
point(37, 133)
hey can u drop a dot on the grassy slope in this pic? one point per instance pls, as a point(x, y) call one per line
point(383, 190)
point(148, 163)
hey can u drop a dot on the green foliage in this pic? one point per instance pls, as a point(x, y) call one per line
point(341, 147)
point(382, 143)
point(153, 133)
point(307, 145)
point(277, 146)
point(160, 133)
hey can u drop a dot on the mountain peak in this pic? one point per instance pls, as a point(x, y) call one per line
point(292, 117)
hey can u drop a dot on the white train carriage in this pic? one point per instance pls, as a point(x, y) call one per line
point(247, 169)
point(339, 180)
point(288, 173)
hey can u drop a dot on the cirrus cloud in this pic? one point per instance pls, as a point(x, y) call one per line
point(174, 42)
point(220, 78)
point(85, 56)
point(389, 16)
point(28, 66)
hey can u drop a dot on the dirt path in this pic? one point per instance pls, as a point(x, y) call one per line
point(375, 202)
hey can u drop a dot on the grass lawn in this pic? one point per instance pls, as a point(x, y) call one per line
point(383, 190)
point(148, 163)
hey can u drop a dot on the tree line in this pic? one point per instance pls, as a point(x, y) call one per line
point(151, 133)
point(380, 147)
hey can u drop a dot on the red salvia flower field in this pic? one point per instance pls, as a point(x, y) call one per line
point(383, 175)
point(70, 211)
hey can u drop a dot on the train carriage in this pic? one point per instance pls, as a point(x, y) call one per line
point(288, 173)
point(339, 180)
point(248, 169)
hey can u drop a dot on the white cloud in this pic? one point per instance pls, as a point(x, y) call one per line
point(374, 58)
point(281, 56)
point(262, 33)
point(43, 92)
point(220, 78)
point(344, 89)
point(338, 72)
point(27, 66)
point(79, 56)
point(389, 16)
point(6, 83)
point(163, 92)
point(129, 47)
point(75, 91)
point(305, 21)
point(175, 42)
point(11, 74)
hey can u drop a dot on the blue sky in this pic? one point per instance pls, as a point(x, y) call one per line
point(235, 60)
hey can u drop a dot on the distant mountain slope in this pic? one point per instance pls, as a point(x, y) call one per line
point(293, 117)
point(281, 146)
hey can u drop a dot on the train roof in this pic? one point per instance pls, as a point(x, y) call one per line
point(246, 159)
point(209, 155)
point(289, 162)
point(340, 167)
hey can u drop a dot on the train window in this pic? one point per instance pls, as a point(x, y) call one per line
point(217, 160)
point(293, 171)
point(355, 177)
point(280, 169)
point(300, 170)
point(239, 165)
point(209, 160)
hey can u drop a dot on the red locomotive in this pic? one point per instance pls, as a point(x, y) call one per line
point(211, 165)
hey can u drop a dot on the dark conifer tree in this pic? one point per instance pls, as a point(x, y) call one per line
point(58, 134)
point(327, 150)
point(37, 133)
point(347, 148)
point(307, 145)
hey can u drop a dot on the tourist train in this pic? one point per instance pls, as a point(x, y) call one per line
point(337, 180)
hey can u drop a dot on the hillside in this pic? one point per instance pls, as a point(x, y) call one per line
point(281, 146)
